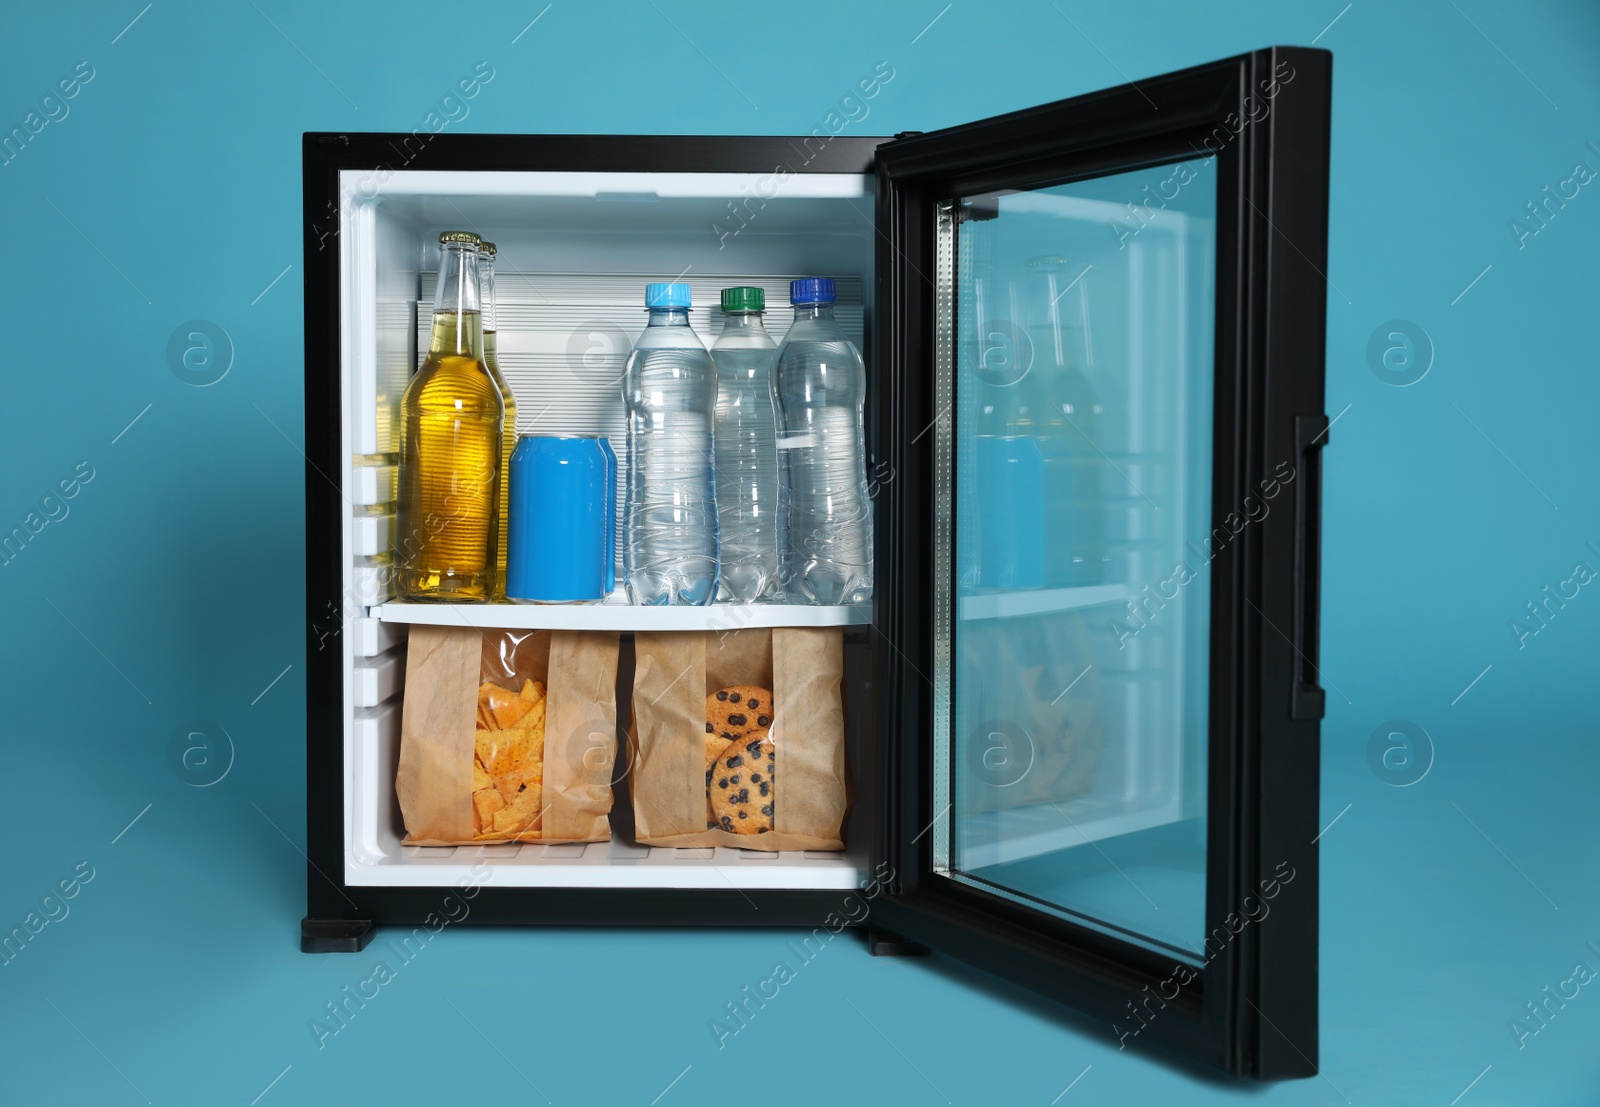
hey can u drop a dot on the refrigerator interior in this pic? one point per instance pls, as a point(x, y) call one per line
point(574, 253)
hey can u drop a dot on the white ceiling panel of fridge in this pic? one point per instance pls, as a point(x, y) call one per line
point(637, 222)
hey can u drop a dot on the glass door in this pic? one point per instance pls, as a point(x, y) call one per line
point(1080, 454)
point(1104, 334)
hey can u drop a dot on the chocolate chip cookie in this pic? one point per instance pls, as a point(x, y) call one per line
point(742, 786)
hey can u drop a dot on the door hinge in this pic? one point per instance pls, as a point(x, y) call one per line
point(978, 209)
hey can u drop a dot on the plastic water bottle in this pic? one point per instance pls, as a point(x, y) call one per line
point(821, 386)
point(670, 391)
point(746, 451)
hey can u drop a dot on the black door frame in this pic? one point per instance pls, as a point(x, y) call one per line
point(1251, 1009)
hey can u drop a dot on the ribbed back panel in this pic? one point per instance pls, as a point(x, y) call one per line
point(564, 339)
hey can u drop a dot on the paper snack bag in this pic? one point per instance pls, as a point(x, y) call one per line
point(1030, 732)
point(507, 736)
point(711, 769)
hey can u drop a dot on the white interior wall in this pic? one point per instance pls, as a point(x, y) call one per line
point(574, 253)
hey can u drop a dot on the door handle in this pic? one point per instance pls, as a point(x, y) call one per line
point(1307, 700)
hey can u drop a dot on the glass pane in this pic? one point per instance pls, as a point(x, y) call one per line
point(1079, 371)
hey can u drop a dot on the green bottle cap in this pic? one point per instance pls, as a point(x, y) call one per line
point(743, 298)
point(459, 236)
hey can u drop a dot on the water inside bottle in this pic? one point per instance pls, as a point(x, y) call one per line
point(746, 462)
point(670, 541)
point(827, 554)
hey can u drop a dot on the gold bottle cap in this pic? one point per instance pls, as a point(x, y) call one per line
point(459, 236)
point(486, 248)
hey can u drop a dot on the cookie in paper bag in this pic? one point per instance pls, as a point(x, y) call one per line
point(716, 746)
point(738, 711)
point(742, 786)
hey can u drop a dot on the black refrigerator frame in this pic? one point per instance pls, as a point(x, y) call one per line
point(339, 917)
point(1253, 1008)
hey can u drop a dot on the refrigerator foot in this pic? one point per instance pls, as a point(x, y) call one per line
point(886, 943)
point(334, 935)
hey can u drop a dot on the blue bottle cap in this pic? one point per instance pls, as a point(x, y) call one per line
point(666, 295)
point(811, 290)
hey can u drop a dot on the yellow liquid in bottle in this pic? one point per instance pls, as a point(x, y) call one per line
point(453, 418)
point(508, 445)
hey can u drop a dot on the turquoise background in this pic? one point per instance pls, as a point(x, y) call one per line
point(172, 589)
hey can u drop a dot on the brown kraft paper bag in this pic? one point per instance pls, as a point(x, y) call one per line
point(676, 672)
point(453, 720)
point(1025, 741)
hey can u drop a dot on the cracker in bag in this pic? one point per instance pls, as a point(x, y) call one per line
point(508, 761)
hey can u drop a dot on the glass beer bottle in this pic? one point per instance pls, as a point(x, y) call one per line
point(453, 423)
point(508, 442)
point(1070, 422)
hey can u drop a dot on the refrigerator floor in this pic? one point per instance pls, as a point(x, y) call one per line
point(618, 863)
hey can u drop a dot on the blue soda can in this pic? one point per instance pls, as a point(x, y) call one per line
point(611, 514)
point(1010, 473)
point(562, 492)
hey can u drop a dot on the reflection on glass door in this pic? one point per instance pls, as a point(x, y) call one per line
point(1073, 547)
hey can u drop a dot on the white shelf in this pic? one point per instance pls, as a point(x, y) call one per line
point(617, 614)
point(1044, 601)
point(999, 837)
point(613, 864)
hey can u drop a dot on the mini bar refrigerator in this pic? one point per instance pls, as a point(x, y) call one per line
point(1083, 705)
